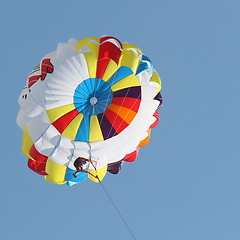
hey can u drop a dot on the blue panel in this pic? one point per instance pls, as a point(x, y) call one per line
point(105, 94)
point(142, 67)
point(87, 110)
point(99, 83)
point(99, 89)
point(100, 108)
point(81, 91)
point(80, 104)
point(145, 58)
point(92, 87)
point(121, 73)
point(83, 131)
point(80, 177)
point(89, 83)
point(70, 183)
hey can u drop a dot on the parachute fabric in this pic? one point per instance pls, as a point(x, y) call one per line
point(95, 98)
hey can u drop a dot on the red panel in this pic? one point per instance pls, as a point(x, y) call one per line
point(39, 163)
point(61, 123)
point(32, 166)
point(32, 80)
point(101, 67)
point(109, 37)
point(118, 123)
point(131, 103)
point(131, 156)
point(36, 155)
point(156, 115)
point(46, 67)
point(109, 50)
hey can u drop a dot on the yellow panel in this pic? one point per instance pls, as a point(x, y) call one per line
point(129, 45)
point(100, 173)
point(94, 48)
point(110, 70)
point(91, 63)
point(55, 113)
point(84, 41)
point(72, 128)
point(95, 130)
point(156, 78)
point(129, 59)
point(129, 81)
point(56, 172)
point(27, 142)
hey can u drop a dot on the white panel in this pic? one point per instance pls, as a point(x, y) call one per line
point(20, 119)
point(63, 153)
point(38, 125)
point(149, 91)
point(54, 95)
point(144, 77)
point(55, 103)
point(84, 68)
point(52, 135)
point(62, 79)
point(147, 108)
point(52, 92)
point(111, 148)
point(44, 146)
point(66, 50)
point(38, 92)
point(27, 102)
point(34, 112)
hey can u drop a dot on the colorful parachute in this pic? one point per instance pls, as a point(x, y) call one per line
point(95, 98)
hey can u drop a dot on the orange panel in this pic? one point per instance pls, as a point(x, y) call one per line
point(146, 140)
point(125, 113)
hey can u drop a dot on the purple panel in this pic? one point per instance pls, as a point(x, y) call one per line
point(158, 97)
point(114, 168)
point(133, 92)
point(106, 127)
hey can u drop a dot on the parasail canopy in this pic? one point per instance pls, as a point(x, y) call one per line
point(96, 98)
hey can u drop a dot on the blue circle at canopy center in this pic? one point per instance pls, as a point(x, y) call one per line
point(92, 96)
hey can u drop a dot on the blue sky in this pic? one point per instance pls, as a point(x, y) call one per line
point(185, 183)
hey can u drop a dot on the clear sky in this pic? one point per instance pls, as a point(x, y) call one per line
point(185, 183)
